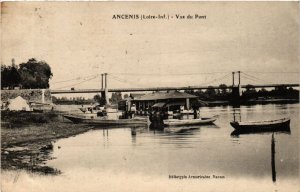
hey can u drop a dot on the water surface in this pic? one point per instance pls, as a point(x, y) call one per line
point(115, 159)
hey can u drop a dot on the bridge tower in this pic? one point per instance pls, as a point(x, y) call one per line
point(236, 88)
point(104, 88)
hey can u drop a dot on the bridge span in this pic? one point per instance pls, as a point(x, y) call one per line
point(164, 88)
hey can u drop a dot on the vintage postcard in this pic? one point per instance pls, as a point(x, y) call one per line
point(150, 96)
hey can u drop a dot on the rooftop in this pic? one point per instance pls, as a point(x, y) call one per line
point(165, 95)
point(136, 95)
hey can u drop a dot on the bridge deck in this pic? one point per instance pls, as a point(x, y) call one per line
point(164, 88)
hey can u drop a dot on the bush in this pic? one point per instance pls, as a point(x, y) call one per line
point(25, 117)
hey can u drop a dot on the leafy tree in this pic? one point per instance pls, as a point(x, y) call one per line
point(115, 97)
point(263, 90)
point(210, 92)
point(189, 91)
point(223, 89)
point(10, 76)
point(99, 99)
point(4, 76)
point(35, 74)
point(281, 89)
point(126, 96)
point(250, 89)
point(14, 77)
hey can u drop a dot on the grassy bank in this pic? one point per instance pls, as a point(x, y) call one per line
point(28, 94)
point(27, 137)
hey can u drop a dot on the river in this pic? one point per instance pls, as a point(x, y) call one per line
point(204, 158)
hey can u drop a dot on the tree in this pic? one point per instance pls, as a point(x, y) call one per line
point(210, 92)
point(250, 89)
point(263, 90)
point(126, 96)
point(14, 77)
point(35, 74)
point(116, 97)
point(223, 89)
point(4, 76)
point(99, 99)
point(10, 76)
point(189, 91)
point(281, 89)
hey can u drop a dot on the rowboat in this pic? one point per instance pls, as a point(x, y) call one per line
point(261, 125)
point(182, 122)
point(94, 120)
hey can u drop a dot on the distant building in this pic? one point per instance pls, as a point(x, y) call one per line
point(126, 104)
point(18, 104)
point(167, 99)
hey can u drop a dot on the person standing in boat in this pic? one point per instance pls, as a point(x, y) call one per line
point(133, 110)
point(198, 113)
point(195, 112)
point(181, 112)
point(127, 109)
point(181, 108)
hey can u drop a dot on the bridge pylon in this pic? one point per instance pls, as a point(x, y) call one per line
point(236, 88)
point(104, 87)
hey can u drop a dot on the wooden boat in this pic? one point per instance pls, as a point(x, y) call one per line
point(182, 122)
point(270, 125)
point(94, 120)
point(282, 130)
point(92, 109)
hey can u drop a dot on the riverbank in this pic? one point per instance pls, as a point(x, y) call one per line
point(27, 139)
point(252, 102)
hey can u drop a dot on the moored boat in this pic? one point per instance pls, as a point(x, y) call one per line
point(182, 122)
point(96, 120)
point(269, 125)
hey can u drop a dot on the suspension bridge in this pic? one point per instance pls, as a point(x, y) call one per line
point(236, 83)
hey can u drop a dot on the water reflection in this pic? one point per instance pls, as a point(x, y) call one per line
point(237, 114)
point(184, 129)
point(286, 130)
point(156, 126)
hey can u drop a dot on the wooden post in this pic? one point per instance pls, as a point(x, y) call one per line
point(187, 103)
point(102, 82)
point(106, 89)
point(273, 159)
point(105, 76)
point(43, 95)
point(240, 92)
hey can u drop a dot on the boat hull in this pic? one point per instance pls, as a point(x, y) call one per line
point(107, 122)
point(177, 122)
point(276, 125)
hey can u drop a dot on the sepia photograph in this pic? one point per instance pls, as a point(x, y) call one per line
point(150, 96)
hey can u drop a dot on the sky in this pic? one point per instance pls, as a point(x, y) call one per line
point(80, 40)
